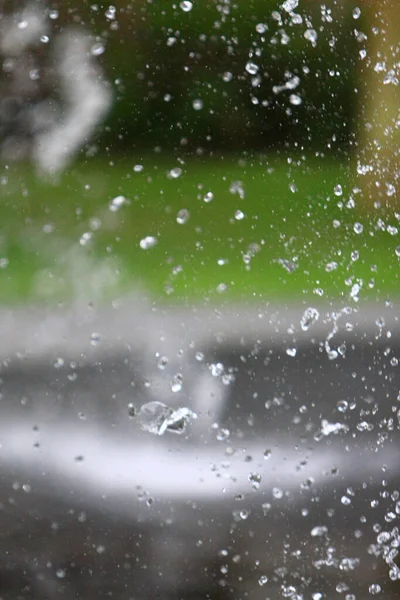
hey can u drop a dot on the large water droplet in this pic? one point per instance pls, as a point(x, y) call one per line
point(182, 216)
point(186, 6)
point(148, 242)
point(251, 68)
point(116, 203)
point(310, 316)
point(157, 418)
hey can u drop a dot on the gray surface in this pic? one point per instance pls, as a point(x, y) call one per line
point(66, 433)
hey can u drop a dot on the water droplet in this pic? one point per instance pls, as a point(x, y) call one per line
point(186, 6)
point(267, 454)
point(338, 190)
point(217, 369)
point(251, 68)
point(116, 203)
point(97, 49)
point(331, 266)
point(319, 530)
point(263, 580)
point(157, 418)
point(290, 5)
point(86, 238)
point(138, 168)
point(277, 493)
point(177, 383)
point(131, 410)
point(94, 339)
point(223, 434)
point(358, 228)
point(342, 405)
point(227, 76)
point(239, 215)
point(110, 13)
point(208, 197)
point(295, 99)
point(261, 28)
point(58, 363)
point(291, 352)
point(61, 573)
point(288, 265)
point(345, 500)
point(311, 35)
point(175, 173)
point(198, 104)
point(255, 480)
point(182, 216)
point(356, 12)
point(374, 589)
point(310, 316)
point(148, 242)
point(162, 362)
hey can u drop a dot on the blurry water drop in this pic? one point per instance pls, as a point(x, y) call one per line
point(310, 316)
point(251, 68)
point(338, 190)
point(148, 242)
point(267, 454)
point(198, 104)
point(175, 173)
point(208, 197)
point(94, 339)
point(261, 28)
point(162, 362)
point(288, 265)
point(182, 216)
point(131, 410)
point(356, 12)
point(342, 405)
point(358, 228)
point(223, 434)
point(116, 203)
point(290, 5)
point(186, 6)
point(85, 238)
point(61, 573)
point(157, 418)
point(397, 251)
point(177, 382)
point(110, 13)
point(255, 480)
point(291, 352)
point(374, 589)
point(239, 215)
point(97, 49)
point(295, 99)
point(263, 580)
point(227, 76)
point(319, 530)
point(311, 35)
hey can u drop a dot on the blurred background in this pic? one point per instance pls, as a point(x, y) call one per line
point(200, 151)
point(236, 162)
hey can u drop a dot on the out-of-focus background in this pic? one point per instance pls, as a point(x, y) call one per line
point(200, 151)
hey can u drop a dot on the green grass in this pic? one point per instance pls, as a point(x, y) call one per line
point(183, 267)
